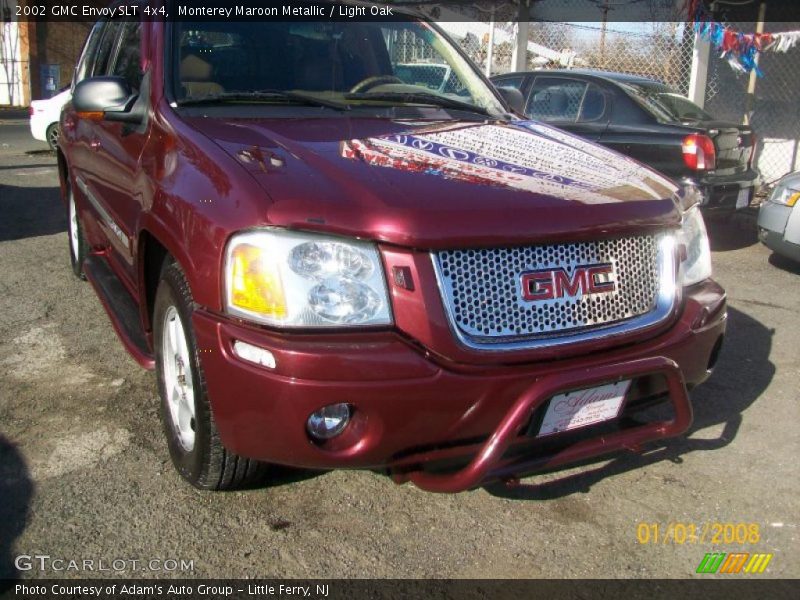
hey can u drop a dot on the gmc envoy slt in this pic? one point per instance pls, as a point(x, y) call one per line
point(331, 262)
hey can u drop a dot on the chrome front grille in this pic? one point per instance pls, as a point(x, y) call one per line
point(482, 291)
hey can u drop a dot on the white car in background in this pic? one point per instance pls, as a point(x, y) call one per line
point(45, 115)
point(779, 218)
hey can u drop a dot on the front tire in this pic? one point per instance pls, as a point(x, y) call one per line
point(78, 249)
point(192, 437)
point(52, 135)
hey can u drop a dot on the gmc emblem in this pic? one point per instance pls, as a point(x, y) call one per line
point(550, 284)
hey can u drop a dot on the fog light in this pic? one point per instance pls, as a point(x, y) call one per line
point(254, 354)
point(329, 421)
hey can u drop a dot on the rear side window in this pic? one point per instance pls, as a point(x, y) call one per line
point(556, 99)
point(105, 49)
point(512, 82)
point(594, 104)
point(127, 63)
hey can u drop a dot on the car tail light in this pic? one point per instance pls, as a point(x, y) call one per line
point(699, 153)
point(30, 111)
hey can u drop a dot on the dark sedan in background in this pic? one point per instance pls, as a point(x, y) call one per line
point(648, 121)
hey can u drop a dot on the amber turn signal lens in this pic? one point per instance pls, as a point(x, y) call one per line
point(91, 116)
point(255, 283)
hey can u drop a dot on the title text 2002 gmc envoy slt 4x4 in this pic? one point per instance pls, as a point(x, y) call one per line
point(331, 261)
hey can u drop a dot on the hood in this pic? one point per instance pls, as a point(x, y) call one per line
point(443, 184)
point(792, 180)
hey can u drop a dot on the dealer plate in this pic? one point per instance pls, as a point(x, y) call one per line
point(583, 407)
point(743, 199)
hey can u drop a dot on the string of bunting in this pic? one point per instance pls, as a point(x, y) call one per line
point(739, 49)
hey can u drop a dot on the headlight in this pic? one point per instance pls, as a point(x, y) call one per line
point(697, 264)
point(784, 195)
point(295, 279)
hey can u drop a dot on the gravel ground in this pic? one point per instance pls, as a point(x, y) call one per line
point(85, 473)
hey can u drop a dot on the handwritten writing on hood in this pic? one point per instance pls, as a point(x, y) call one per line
point(525, 156)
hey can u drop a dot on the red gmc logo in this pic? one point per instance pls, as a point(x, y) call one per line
point(550, 284)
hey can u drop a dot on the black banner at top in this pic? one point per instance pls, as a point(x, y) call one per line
point(387, 10)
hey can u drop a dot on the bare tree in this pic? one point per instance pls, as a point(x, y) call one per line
point(9, 48)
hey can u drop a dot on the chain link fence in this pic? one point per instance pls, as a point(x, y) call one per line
point(775, 114)
point(773, 110)
point(659, 50)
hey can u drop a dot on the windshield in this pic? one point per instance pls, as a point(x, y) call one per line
point(664, 104)
point(352, 66)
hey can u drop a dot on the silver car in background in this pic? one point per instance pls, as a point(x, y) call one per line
point(779, 218)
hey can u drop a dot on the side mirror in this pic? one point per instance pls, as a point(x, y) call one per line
point(109, 98)
point(514, 98)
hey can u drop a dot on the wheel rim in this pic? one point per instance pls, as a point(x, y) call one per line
point(53, 137)
point(73, 228)
point(178, 383)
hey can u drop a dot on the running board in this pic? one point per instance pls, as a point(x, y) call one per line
point(120, 307)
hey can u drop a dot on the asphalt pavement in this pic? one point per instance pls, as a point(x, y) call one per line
point(15, 134)
point(85, 472)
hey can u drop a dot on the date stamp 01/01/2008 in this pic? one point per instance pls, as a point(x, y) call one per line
point(716, 534)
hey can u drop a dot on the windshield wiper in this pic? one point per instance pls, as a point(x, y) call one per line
point(420, 98)
point(257, 95)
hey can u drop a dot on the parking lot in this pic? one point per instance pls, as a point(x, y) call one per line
point(85, 472)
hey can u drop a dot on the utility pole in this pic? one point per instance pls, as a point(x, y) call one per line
point(750, 103)
point(519, 57)
point(605, 10)
point(490, 47)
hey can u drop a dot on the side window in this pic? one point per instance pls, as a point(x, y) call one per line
point(414, 60)
point(417, 59)
point(556, 99)
point(515, 82)
point(429, 76)
point(105, 49)
point(86, 61)
point(127, 63)
point(594, 104)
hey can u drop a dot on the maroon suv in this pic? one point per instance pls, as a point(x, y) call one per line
point(334, 258)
